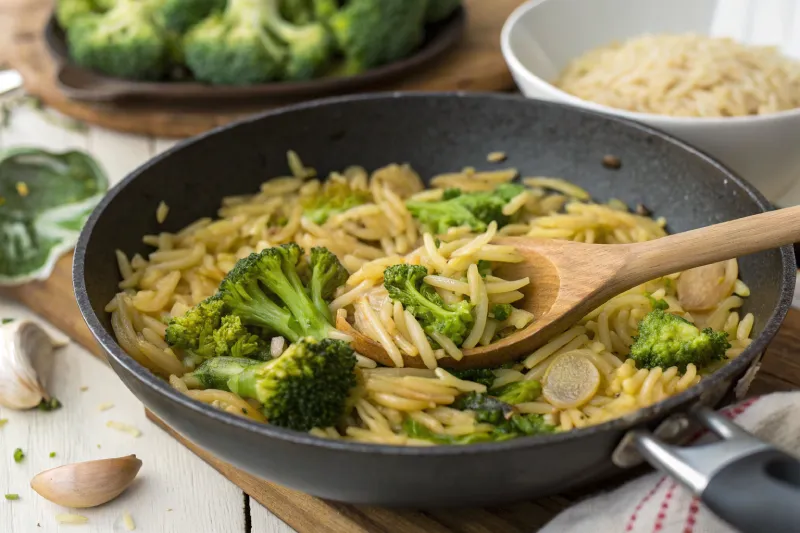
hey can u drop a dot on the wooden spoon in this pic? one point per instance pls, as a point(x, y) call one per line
point(570, 279)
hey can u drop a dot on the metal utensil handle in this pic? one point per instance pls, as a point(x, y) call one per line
point(745, 481)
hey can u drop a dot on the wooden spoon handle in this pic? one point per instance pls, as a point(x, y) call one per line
point(703, 246)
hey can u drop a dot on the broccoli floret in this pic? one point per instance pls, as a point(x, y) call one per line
point(180, 15)
point(193, 332)
point(310, 44)
point(666, 340)
point(484, 376)
point(501, 311)
point(125, 42)
point(475, 210)
point(306, 387)
point(233, 339)
point(324, 9)
point(297, 11)
point(265, 290)
point(334, 197)
point(233, 47)
point(439, 10)
point(327, 275)
point(405, 284)
point(68, 11)
point(518, 392)
point(370, 33)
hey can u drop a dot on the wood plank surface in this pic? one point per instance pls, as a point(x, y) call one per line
point(475, 64)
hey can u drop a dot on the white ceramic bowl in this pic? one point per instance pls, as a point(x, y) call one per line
point(542, 36)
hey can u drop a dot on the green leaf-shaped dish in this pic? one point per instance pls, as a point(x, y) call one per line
point(45, 199)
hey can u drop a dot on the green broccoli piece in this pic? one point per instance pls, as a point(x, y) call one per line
point(484, 376)
point(233, 47)
point(517, 426)
point(297, 11)
point(265, 290)
point(415, 430)
point(327, 275)
point(335, 196)
point(518, 392)
point(658, 304)
point(476, 209)
point(68, 11)
point(487, 408)
point(125, 42)
point(306, 387)
point(214, 373)
point(405, 284)
point(501, 311)
point(180, 15)
point(484, 268)
point(193, 332)
point(233, 339)
point(324, 9)
point(666, 340)
point(370, 33)
point(439, 10)
point(310, 45)
point(520, 425)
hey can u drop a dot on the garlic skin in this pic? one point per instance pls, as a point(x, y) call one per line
point(26, 352)
point(88, 484)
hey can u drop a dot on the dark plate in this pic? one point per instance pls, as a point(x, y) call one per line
point(83, 84)
point(435, 133)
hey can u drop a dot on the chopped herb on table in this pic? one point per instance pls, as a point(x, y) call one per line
point(52, 454)
point(12, 497)
point(49, 405)
point(6, 320)
point(3, 422)
point(19, 455)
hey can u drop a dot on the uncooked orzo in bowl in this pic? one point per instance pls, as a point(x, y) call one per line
point(685, 75)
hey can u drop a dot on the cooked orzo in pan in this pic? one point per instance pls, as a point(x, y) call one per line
point(239, 311)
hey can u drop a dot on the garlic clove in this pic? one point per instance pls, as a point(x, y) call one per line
point(26, 353)
point(87, 484)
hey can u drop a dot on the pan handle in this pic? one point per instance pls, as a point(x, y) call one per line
point(748, 483)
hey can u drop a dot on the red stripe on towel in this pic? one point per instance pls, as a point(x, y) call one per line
point(662, 511)
point(691, 517)
point(644, 500)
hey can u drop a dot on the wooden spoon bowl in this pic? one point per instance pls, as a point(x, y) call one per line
point(570, 279)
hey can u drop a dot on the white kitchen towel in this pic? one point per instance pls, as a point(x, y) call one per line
point(655, 503)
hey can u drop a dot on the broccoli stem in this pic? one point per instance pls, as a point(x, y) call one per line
point(216, 372)
point(289, 288)
point(256, 309)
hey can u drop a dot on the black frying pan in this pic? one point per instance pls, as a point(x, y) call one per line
point(437, 133)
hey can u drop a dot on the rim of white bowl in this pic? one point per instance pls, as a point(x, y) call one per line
point(511, 24)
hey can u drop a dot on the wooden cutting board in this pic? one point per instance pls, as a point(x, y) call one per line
point(475, 64)
point(54, 300)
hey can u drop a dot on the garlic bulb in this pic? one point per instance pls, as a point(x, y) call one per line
point(26, 352)
point(87, 484)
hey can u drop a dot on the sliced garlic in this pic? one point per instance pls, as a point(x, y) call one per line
point(26, 352)
point(87, 484)
point(571, 380)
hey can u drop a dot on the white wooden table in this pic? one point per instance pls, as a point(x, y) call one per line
point(175, 491)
